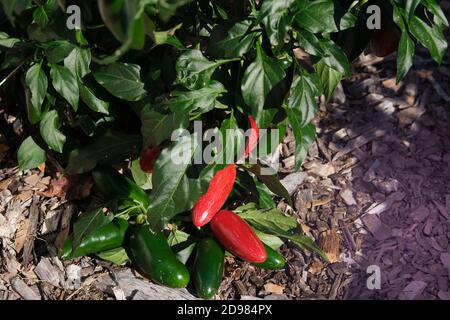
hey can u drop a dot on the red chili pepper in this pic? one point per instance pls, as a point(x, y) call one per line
point(238, 237)
point(218, 191)
point(253, 138)
point(148, 158)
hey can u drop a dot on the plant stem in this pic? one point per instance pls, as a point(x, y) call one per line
point(11, 74)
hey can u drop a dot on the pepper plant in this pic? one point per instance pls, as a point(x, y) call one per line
point(106, 83)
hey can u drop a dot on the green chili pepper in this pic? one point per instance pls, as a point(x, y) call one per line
point(274, 259)
point(208, 267)
point(105, 238)
point(154, 258)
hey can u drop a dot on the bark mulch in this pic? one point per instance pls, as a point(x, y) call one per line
point(373, 191)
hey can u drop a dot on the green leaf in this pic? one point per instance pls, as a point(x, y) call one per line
point(174, 190)
point(94, 103)
point(194, 71)
point(304, 137)
point(273, 8)
point(117, 256)
point(40, 16)
point(348, 21)
point(78, 61)
point(329, 78)
point(317, 16)
point(87, 223)
point(270, 240)
point(431, 38)
point(58, 50)
point(232, 41)
point(231, 138)
point(271, 181)
point(158, 127)
point(167, 8)
point(258, 80)
point(271, 221)
point(274, 16)
point(310, 43)
point(335, 57)
point(110, 148)
point(6, 41)
point(122, 80)
point(439, 16)
point(142, 179)
point(202, 100)
point(66, 84)
point(307, 243)
point(124, 20)
point(410, 7)
point(37, 82)
point(274, 222)
point(167, 37)
point(30, 154)
point(49, 129)
point(182, 244)
point(265, 198)
point(405, 55)
point(304, 90)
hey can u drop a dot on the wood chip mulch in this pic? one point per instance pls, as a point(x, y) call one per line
point(374, 191)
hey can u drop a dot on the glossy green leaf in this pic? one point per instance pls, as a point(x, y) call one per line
point(142, 179)
point(232, 41)
point(87, 223)
point(37, 82)
point(40, 16)
point(30, 154)
point(157, 127)
point(201, 100)
point(304, 136)
point(271, 181)
point(94, 103)
point(405, 55)
point(317, 16)
point(329, 78)
point(110, 148)
point(271, 221)
point(78, 61)
point(122, 80)
point(304, 90)
point(274, 16)
point(117, 256)
point(58, 50)
point(66, 84)
point(194, 71)
point(7, 41)
point(174, 190)
point(431, 38)
point(49, 129)
point(258, 80)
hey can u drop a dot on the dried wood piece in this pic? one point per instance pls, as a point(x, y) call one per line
point(375, 226)
point(139, 289)
point(31, 233)
point(360, 141)
point(19, 286)
point(46, 271)
point(413, 290)
point(329, 242)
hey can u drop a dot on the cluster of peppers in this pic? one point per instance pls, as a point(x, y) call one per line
point(149, 249)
